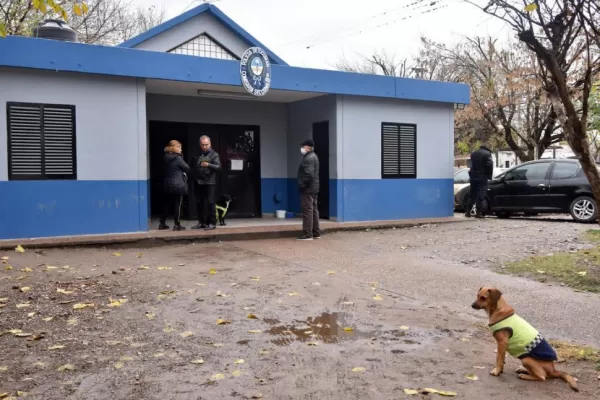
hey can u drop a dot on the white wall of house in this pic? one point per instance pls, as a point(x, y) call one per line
point(109, 117)
point(203, 23)
point(359, 126)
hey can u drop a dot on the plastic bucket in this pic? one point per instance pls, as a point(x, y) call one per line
point(280, 214)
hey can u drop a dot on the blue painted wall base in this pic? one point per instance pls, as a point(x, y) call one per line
point(30, 209)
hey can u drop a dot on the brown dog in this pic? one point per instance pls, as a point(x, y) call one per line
point(521, 340)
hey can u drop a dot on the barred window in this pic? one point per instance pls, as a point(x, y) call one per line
point(398, 150)
point(203, 46)
point(41, 141)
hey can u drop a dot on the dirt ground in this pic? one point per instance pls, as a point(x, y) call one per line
point(266, 319)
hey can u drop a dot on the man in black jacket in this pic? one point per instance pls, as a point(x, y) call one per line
point(482, 169)
point(308, 182)
point(206, 166)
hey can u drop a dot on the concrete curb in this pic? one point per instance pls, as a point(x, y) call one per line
point(161, 238)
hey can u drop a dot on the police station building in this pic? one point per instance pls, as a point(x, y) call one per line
point(83, 130)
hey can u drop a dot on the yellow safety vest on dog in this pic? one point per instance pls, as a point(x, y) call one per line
point(524, 336)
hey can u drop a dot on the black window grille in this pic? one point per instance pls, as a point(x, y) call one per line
point(41, 141)
point(398, 150)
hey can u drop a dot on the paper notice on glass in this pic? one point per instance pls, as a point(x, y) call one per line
point(237, 165)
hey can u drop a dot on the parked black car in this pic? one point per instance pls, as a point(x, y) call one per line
point(543, 186)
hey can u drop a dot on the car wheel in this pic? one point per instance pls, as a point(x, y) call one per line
point(503, 214)
point(584, 209)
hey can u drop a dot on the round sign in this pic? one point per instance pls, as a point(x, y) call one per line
point(255, 71)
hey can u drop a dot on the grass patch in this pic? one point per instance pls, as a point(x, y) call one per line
point(579, 270)
point(573, 352)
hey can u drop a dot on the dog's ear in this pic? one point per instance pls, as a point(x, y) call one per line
point(495, 295)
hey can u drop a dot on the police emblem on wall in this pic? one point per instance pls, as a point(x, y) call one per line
point(255, 71)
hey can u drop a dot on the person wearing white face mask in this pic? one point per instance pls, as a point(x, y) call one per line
point(308, 182)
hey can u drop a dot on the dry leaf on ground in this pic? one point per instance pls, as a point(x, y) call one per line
point(198, 362)
point(19, 249)
point(143, 267)
point(72, 321)
point(223, 322)
point(404, 327)
point(478, 367)
point(240, 361)
point(377, 297)
point(359, 369)
point(252, 316)
point(117, 254)
point(212, 271)
point(186, 334)
point(254, 331)
point(66, 367)
point(63, 291)
point(3, 368)
point(411, 392)
point(582, 273)
point(168, 329)
point(25, 289)
point(217, 377)
point(116, 302)
point(472, 377)
point(312, 344)
point(113, 342)
point(80, 306)
point(348, 329)
point(293, 294)
point(255, 278)
point(119, 365)
point(26, 270)
point(330, 272)
point(158, 355)
point(150, 315)
point(56, 347)
point(236, 373)
point(162, 268)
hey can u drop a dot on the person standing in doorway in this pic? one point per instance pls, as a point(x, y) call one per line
point(482, 169)
point(175, 184)
point(308, 182)
point(206, 167)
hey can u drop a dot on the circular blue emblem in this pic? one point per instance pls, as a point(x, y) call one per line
point(255, 71)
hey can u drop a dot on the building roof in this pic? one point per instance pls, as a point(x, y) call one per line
point(201, 9)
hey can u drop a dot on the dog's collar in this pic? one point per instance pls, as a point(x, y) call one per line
point(505, 318)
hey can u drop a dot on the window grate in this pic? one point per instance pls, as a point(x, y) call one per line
point(398, 150)
point(203, 46)
point(41, 141)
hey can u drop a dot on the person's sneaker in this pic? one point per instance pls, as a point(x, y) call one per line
point(163, 227)
point(210, 227)
point(179, 228)
point(199, 226)
point(317, 236)
point(304, 237)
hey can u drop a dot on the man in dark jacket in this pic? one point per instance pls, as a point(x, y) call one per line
point(308, 182)
point(482, 169)
point(206, 166)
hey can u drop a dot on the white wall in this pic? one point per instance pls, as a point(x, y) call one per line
point(203, 23)
point(271, 117)
point(359, 143)
point(109, 116)
point(302, 115)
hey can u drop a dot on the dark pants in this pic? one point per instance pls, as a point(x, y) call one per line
point(172, 205)
point(205, 204)
point(477, 196)
point(310, 214)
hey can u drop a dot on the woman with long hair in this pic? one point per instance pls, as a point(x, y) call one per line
point(175, 184)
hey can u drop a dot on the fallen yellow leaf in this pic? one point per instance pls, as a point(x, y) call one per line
point(143, 267)
point(150, 315)
point(3, 368)
point(66, 367)
point(252, 316)
point(359, 369)
point(582, 273)
point(50, 268)
point(348, 329)
point(330, 272)
point(198, 362)
point(117, 254)
point(14, 331)
point(19, 249)
point(254, 331)
point(240, 361)
point(25, 289)
point(31, 314)
point(163, 268)
point(116, 303)
point(404, 327)
point(139, 255)
point(24, 334)
point(221, 294)
point(5, 258)
point(168, 329)
point(264, 352)
point(217, 377)
point(72, 321)
point(21, 393)
point(464, 339)
point(539, 271)
point(478, 367)
point(348, 303)
point(293, 294)
point(4, 300)
point(255, 278)
point(186, 334)
point(430, 390)
point(200, 284)
point(39, 364)
point(26, 270)
point(8, 268)
point(158, 355)
point(56, 347)
point(119, 365)
point(447, 393)
point(212, 271)
point(410, 392)
point(23, 305)
point(472, 377)
point(312, 344)
point(126, 358)
point(236, 373)
point(217, 344)
point(377, 297)
point(113, 342)
point(4, 395)
point(80, 306)
point(223, 322)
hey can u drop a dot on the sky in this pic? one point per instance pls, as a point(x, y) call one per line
point(318, 33)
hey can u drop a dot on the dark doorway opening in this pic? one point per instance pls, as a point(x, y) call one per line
point(321, 139)
point(239, 150)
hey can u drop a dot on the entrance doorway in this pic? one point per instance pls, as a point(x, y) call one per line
point(321, 139)
point(239, 150)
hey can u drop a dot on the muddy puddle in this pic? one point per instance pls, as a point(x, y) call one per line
point(326, 328)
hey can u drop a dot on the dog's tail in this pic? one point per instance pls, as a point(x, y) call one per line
point(567, 378)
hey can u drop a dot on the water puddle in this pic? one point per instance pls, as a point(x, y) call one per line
point(326, 328)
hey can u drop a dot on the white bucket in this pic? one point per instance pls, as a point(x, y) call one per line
point(280, 214)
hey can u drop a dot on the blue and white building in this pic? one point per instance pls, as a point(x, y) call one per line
point(83, 127)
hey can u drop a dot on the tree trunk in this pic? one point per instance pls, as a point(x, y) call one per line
point(578, 140)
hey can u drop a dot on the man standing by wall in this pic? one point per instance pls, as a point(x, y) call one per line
point(308, 182)
point(206, 167)
point(482, 169)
